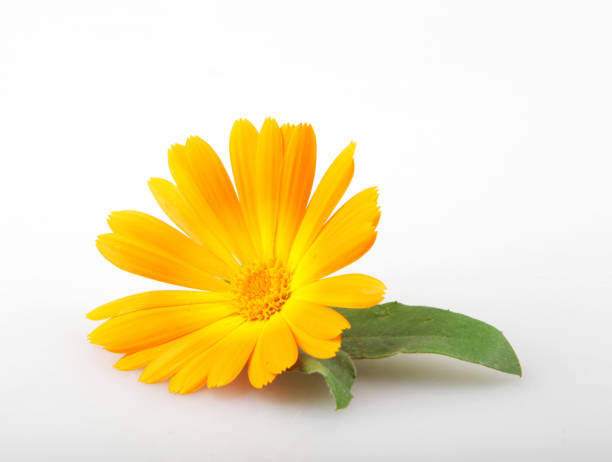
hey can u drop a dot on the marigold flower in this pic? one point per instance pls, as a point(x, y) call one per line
point(257, 259)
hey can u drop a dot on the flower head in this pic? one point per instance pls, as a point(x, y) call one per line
point(257, 256)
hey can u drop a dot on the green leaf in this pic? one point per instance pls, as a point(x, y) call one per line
point(339, 373)
point(392, 328)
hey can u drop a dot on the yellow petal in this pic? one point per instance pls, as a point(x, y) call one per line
point(243, 147)
point(268, 170)
point(175, 207)
point(220, 364)
point(138, 330)
point(296, 184)
point(316, 320)
point(150, 232)
point(153, 263)
point(217, 190)
point(287, 130)
point(188, 183)
point(139, 359)
point(348, 234)
point(180, 212)
point(188, 347)
point(156, 299)
point(259, 376)
point(316, 347)
point(346, 291)
point(278, 349)
point(325, 198)
point(232, 354)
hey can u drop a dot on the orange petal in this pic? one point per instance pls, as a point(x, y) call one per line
point(217, 190)
point(278, 349)
point(348, 234)
point(138, 330)
point(156, 299)
point(259, 376)
point(220, 364)
point(243, 147)
point(346, 291)
point(325, 198)
point(268, 170)
point(316, 320)
point(149, 232)
point(187, 348)
point(154, 263)
point(174, 205)
point(188, 182)
point(318, 348)
point(139, 359)
point(296, 184)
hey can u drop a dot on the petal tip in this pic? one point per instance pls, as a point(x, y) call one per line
point(93, 315)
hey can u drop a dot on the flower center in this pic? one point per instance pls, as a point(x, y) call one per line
point(261, 289)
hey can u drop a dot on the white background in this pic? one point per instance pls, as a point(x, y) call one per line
point(486, 126)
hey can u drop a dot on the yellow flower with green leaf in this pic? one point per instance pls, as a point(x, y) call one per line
point(256, 259)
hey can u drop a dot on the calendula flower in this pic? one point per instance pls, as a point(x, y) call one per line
point(258, 262)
